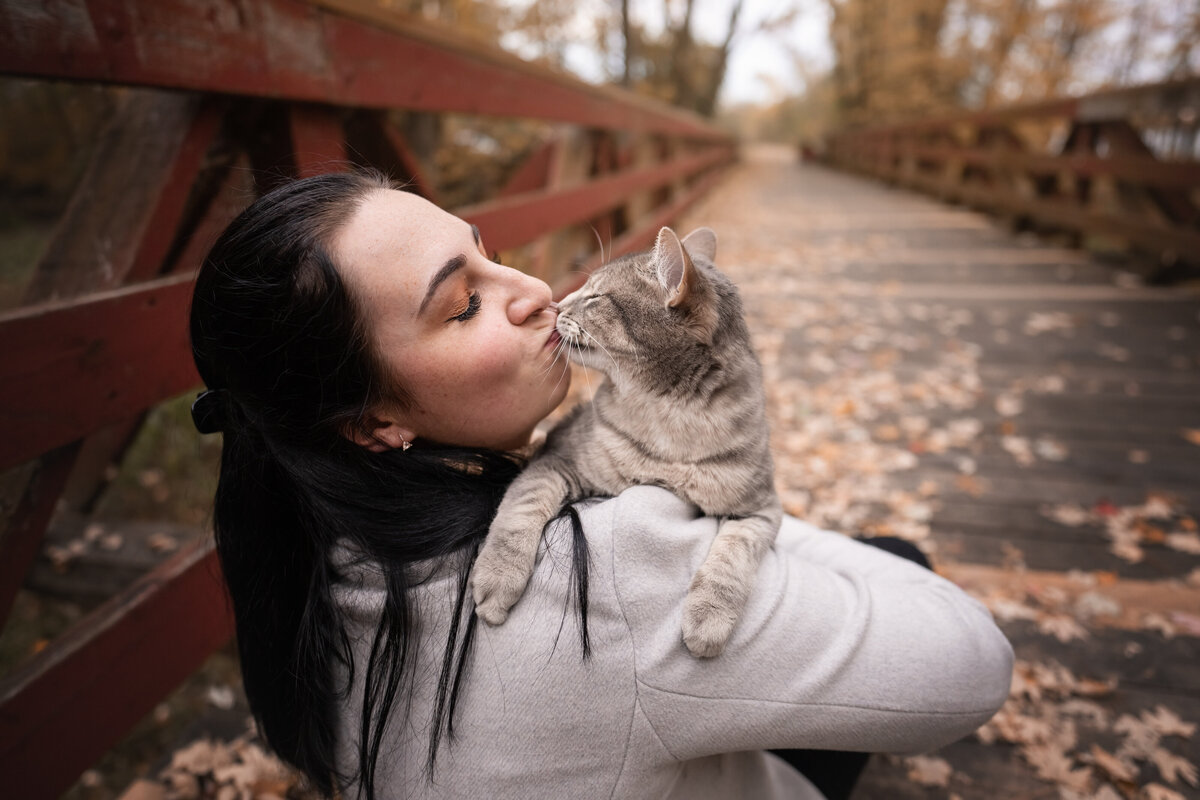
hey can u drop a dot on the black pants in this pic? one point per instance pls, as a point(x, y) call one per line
point(835, 772)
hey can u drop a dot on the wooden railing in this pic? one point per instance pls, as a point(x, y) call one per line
point(242, 95)
point(1119, 165)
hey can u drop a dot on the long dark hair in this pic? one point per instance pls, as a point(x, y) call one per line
point(277, 337)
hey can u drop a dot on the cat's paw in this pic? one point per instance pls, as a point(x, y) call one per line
point(497, 583)
point(707, 622)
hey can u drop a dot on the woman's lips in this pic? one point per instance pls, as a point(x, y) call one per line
point(554, 339)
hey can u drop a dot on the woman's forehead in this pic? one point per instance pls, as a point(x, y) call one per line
point(390, 229)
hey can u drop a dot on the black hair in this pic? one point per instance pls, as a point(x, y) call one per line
point(278, 338)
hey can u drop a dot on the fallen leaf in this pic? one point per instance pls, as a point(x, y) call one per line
point(1173, 767)
point(1009, 404)
point(1184, 542)
point(1156, 791)
point(162, 543)
point(1063, 628)
point(929, 770)
point(1166, 722)
point(1052, 764)
point(1116, 768)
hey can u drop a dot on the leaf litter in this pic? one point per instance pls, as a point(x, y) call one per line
point(866, 387)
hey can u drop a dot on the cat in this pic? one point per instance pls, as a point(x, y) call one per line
point(682, 407)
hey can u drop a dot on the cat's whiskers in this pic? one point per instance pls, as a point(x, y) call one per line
point(558, 351)
point(566, 370)
point(600, 242)
point(586, 333)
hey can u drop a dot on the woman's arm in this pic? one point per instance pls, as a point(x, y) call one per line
point(841, 646)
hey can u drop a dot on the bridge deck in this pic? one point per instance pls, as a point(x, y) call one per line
point(1027, 414)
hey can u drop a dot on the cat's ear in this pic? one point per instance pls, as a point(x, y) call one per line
point(701, 243)
point(686, 288)
point(676, 272)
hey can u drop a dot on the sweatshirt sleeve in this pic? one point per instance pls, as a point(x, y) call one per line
point(842, 646)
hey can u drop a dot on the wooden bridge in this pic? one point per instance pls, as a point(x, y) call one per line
point(1027, 414)
point(1025, 411)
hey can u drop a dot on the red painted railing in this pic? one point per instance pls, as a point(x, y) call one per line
point(245, 94)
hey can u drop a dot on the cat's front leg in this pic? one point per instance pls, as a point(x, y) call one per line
point(506, 560)
point(719, 589)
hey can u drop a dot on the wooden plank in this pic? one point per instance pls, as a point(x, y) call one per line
point(640, 237)
point(533, 173)
point(371, 140)
point(1143, 170)
point(1154, 238)
point(318, 141)
point(345, 53)
point(21, 537)
point(70, 368)
point(74, 700)
point(161, 230)
point(415, 170)
point(512, 221)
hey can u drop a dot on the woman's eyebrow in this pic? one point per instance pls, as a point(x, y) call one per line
point(448, 269)
point(475, 233)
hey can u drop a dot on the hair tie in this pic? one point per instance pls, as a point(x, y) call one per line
point(209, 411)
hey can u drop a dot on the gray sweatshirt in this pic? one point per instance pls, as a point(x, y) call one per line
point(842, 646)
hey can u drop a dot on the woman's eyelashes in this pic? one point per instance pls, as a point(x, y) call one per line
point(471, 310)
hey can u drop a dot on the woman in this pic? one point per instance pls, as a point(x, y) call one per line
point(375, 375)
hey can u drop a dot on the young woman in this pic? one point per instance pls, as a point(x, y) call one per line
point(375, 374)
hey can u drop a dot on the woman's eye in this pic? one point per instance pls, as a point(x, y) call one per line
point(471, 310)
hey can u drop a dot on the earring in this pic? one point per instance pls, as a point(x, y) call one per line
point(404, 445)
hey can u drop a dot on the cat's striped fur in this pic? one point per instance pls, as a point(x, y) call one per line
point(682, 408)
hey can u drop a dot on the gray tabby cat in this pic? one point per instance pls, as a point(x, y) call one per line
point(682, 408)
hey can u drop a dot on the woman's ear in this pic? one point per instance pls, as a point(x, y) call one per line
point(378, 434)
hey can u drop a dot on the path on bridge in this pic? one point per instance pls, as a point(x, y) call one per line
point(1029, 416)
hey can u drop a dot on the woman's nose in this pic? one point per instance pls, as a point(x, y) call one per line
point(529, 296)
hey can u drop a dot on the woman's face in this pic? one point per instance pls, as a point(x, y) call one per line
point(472, 341)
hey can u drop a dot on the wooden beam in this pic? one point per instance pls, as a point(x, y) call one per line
point(97, 239)
point(21, 538)
point(533, 173)
point(69, 368)
point(343, 53)
point(318, 141)
point(513, 221)
point(73, 701)
point(1056, 214)
point(1136, 169)
point(639, 238)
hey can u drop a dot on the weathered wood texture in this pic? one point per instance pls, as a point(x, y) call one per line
point(1118, 166)
point(932, 376)
point(338, 52)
